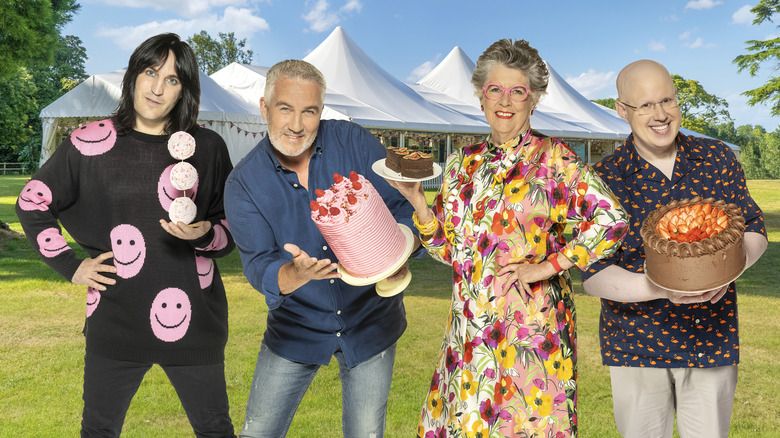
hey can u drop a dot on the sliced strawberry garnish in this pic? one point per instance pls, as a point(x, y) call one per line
point(323, 211)
point(319, 192)
point(337, 178)
point(351, 199)
point(314, 205)
point(334, 211)
point(353, 176)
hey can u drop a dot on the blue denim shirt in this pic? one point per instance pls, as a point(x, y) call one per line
point(266, 208)
point(658, 333)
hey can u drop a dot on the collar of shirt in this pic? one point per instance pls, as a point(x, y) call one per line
point(637, 167)
point(279, 166)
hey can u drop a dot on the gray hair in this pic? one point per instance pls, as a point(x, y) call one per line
point(512, 54)
point(293, 69)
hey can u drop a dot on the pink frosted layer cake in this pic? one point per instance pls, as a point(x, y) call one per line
point(358, 226)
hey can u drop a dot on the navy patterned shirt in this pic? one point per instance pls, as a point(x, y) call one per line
point(660, 333)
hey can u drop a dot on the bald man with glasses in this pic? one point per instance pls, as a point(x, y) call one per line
point(667, 352)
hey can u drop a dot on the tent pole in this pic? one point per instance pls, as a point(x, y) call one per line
point(589, 144)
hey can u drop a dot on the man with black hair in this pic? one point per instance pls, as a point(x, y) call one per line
point(154, 293)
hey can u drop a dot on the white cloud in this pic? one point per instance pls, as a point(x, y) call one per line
point(743, 15)
point(702, 4)
point(352, 6)
point(186, 8)
point(321, 18)
point(592, 83)
point(698, 44)
point(243, 22)
point(423, 69)
point(685, 35)
point(656, 46)
point(670, 18)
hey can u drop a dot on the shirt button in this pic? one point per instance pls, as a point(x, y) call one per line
point(697, 321)
point(324, 247)
point(338, 312)
point(332, 281)
point(295, 185)
point(338, 335)
point(701, 354)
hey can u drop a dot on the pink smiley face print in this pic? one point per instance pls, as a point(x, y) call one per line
point(129, 249)
point(170, 314)
point(205, 267)
point(94, 138)
point(51, 242)
point(93, 299)
point(166, 192)
point(36, 195)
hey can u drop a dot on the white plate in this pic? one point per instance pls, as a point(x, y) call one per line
point(382, 170)
point(695, 292)
point(362, 281)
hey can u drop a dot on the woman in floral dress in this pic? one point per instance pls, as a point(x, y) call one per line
point(507, 366)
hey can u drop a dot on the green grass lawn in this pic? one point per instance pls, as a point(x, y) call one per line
point(41, 349)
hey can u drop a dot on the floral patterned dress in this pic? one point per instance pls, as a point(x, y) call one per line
point(508, 368)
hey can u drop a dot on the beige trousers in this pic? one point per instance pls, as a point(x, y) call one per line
point(645, 401)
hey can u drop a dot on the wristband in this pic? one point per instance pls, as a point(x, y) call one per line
point(554, 261)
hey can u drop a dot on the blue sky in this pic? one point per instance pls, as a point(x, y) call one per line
point(586, 42)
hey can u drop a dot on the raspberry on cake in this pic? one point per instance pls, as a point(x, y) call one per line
point(358, 226)
point(694, 244)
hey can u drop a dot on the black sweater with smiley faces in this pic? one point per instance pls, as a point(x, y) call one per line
point(109, 192)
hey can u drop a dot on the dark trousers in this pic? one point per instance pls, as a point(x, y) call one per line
point(109, 387)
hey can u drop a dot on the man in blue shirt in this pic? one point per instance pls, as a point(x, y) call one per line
point(667, 351)
point(312, 314)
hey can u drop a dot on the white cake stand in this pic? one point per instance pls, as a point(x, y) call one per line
point(385, 288)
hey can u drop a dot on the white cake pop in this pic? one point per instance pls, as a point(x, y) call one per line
point(183, 176)
point(182, 210)
point(181, 145)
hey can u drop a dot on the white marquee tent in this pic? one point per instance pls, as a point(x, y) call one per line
point(98, 96)
point(248, 83)
point(348, 70)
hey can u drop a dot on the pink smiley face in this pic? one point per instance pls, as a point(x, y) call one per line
point(170, 314)
point(166, 192)
point(36, 195)
point(205, 267)
point(51, 242)
point(129, 249)
point(93, 299)
point(94, 138)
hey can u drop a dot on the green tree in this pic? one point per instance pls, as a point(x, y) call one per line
point(27, 34)
point(750, 151)
point(54, 78)
point(699, 108)
point(213, 55)
point(17, 102)
point(760, 52)
point(608, 102)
